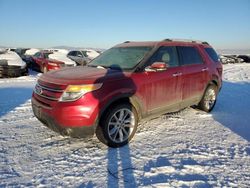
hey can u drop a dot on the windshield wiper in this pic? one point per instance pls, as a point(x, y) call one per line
point(101, 67)
point(98, 66)
point(91, 65)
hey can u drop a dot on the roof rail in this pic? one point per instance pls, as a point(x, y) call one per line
point(185, 40)
point(127, 41)
point(205, 43)
point(169, 40)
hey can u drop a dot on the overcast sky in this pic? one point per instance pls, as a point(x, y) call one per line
point(96, 23)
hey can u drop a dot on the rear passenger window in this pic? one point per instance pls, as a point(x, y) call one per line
point(189, 55)
point(212, 54)
point(166, 54)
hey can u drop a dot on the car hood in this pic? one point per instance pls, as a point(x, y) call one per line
point(61, 57)
point(12, 58)
point(82, 75)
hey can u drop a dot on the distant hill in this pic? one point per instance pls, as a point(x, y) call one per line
point(234, 51)
point(72, 47)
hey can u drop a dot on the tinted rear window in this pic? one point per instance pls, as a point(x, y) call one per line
point(212, 54)
point(189, 55)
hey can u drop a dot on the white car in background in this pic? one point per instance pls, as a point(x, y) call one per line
point(11, 64)
point(82, 57)
point(92, 54)
point(31, 51)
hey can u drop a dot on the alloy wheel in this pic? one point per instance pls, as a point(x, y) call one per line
point(121, 125)
point(210, 98)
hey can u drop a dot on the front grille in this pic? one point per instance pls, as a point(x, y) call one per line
point(50, 85)
point(52, 94)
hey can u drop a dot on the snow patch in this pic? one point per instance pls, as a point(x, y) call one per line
point(62, 57)
point(189, 148)
point(31, 51)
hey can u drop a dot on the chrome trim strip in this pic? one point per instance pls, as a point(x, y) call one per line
point(49, 89)
point(44, 96)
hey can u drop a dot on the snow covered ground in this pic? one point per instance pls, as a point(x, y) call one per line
point(186, 149)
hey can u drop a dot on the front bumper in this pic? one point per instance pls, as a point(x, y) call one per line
point(12, 71)
point(80, 131)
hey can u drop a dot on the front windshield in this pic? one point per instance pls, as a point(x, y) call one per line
point(121, 57)
point(84, 53)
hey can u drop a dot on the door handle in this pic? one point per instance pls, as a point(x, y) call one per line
point(204, 69)
point(177, 74)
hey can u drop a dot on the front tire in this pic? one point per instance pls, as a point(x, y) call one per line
point(209, 99)
point(118, 126)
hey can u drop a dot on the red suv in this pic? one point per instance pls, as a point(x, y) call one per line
point(126, 84)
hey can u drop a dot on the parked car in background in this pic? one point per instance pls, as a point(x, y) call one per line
point(91, 54)
point(31, 51)
point(225, 59)
point(245, 58)
point(62, 56)
point(21, 51)
point(46, 60)
point(11, 64)
point(126, 84)
point(80, 57)
point(27, 56)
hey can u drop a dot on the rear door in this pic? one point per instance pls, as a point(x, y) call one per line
point(195, 74)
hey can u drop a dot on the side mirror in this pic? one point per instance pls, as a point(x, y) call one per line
point(157, 67)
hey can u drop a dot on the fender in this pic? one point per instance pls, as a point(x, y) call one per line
point(126, 97)
point(214, 80)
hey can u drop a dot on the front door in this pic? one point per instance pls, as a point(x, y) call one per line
point(161, 90)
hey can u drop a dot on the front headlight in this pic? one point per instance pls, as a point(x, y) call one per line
point(74, 92)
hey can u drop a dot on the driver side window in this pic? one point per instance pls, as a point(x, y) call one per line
point(167, 54)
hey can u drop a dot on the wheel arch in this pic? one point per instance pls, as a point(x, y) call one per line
point(213, 81)
point(124, 98)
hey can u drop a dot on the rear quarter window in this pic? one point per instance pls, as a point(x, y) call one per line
point(189, 55)
point(212, 54)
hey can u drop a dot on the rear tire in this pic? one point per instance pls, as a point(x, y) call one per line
point(118, 126)
point(209, 99)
